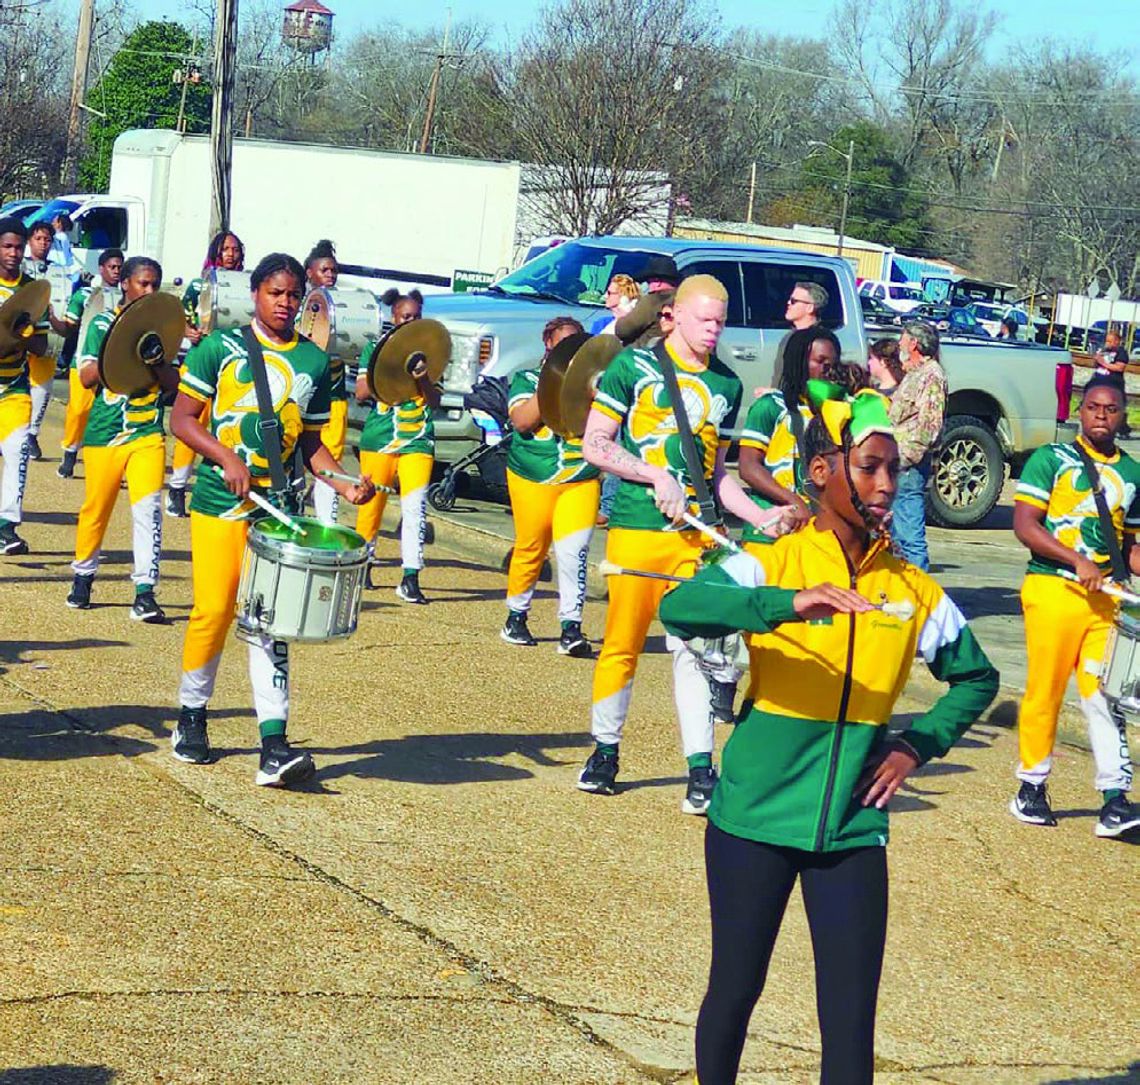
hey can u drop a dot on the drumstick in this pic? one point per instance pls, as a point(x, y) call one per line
point(354, 480)
point(711, 533)
point(610, 568)
point(1120, 593)
point(273, 511)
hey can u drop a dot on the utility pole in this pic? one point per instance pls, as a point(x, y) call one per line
point(433, 88)
point(846, 196)
point(222, 118)
point(78, 92)
point(751, 192)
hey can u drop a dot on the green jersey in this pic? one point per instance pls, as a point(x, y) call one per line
point(541, 455)
point(400, 428)
point(1054, 480)
point(768, 428)
point(632, 391)
point(115, 419)
point(217, 370)
point(190, 298)
point(14, 368)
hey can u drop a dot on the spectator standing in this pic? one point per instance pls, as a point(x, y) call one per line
point(621, 296)
point(805, 303)
point(917, 409)
point(884, 365)
point(1112, 359)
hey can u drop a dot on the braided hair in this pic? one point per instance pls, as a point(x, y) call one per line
point(819, 442)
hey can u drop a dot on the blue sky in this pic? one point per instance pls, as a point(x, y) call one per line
point(1104, 24)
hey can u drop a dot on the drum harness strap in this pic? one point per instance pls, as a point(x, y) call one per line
point(710, 509)
point(268, 425)
point(1107, 527)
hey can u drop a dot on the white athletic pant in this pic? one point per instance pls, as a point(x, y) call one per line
point(326, 502)
point(268, 675)
point(1109, 741)
point(571, 559)
point(41, 397)
point(14, 449)
point(146, 543)
point(180, 476)
point(413, 528)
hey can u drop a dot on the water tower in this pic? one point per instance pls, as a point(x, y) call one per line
point(308, 27)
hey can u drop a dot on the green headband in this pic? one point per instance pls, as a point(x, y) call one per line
point(863, 414)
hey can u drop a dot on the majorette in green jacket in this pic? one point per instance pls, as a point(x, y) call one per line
point(821, 693)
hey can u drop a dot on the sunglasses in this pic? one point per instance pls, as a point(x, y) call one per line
point(799, 301)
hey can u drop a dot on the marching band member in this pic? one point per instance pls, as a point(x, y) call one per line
point(124, 438)
point(79, 397)
point(1067, 616)
point(321, 270)
point(808, 772)
point(398, 442)
point(41, 367)
point(224, 253)
point(554, 498)
point(631, 431)
point(15, 393)
point(216, 375)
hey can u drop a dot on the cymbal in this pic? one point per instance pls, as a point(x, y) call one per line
point(146, 333)
point(581, 381)
point(551, 378)
point(18, 315)
point(390, 361)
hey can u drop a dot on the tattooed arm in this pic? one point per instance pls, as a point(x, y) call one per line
point(602, 450)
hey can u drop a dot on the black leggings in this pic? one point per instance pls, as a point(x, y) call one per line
point(845, 896)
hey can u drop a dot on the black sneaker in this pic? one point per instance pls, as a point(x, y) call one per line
point(573, 643)
point(10, 542)
point(281, 765)
point(79, 598)
point(189, 740)
point(599, 773)
point(146, 609)
point(369, 583)
point(515, 630)
point(34, 450)
point(698, 795)
point(722, 698)
point(176, 502)
point(66, 468)
point(1117, 817)
point(409, 590)
point(1031, 805)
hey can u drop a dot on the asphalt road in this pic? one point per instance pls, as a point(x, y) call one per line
point(441, 904)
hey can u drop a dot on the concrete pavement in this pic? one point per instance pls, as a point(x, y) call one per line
point(442, 905)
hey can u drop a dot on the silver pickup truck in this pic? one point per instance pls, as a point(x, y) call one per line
point(1002, 399)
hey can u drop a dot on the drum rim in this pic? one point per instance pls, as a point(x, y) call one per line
point(297, 555)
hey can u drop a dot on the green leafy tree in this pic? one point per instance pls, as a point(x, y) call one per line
point(138, 90)
point(886, 206)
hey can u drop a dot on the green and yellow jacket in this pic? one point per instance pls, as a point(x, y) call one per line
point(821, 693)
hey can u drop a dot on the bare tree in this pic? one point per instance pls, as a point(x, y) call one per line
point(605, 94)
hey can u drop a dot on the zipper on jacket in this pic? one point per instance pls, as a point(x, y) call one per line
point(833, 760)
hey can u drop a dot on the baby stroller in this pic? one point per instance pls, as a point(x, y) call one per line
point(487, 402)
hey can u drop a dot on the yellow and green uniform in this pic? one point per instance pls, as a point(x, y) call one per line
point(216, 372)
point(632, 391)
point(1067, 627)
point(79, 398)
point(554, 500)
point(821, 693)
point(768, 429)
point(16, 412)
point(182, 461)
point(124, 439)
point(397, 445)
point(190, 298)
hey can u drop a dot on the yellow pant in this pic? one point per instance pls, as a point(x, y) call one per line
point(182, 462)
point(79, 402)
point(1066, 630)
point(142, 463)
point(335, 431)
point(632, 606)
point(414, 473)
point(41, 369)
point(544, 513)
point(216, 548)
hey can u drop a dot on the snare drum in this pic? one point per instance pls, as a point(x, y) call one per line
point(342, 321)
point(302, 588)
point(1120, 673)
point(225, 302)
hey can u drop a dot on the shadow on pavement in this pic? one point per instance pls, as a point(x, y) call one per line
point(1125, 1077)
point(15, 651)
point(58, 1075)
point(449, 759)
point(988, 602)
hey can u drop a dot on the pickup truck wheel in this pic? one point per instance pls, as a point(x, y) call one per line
point(967, 474)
